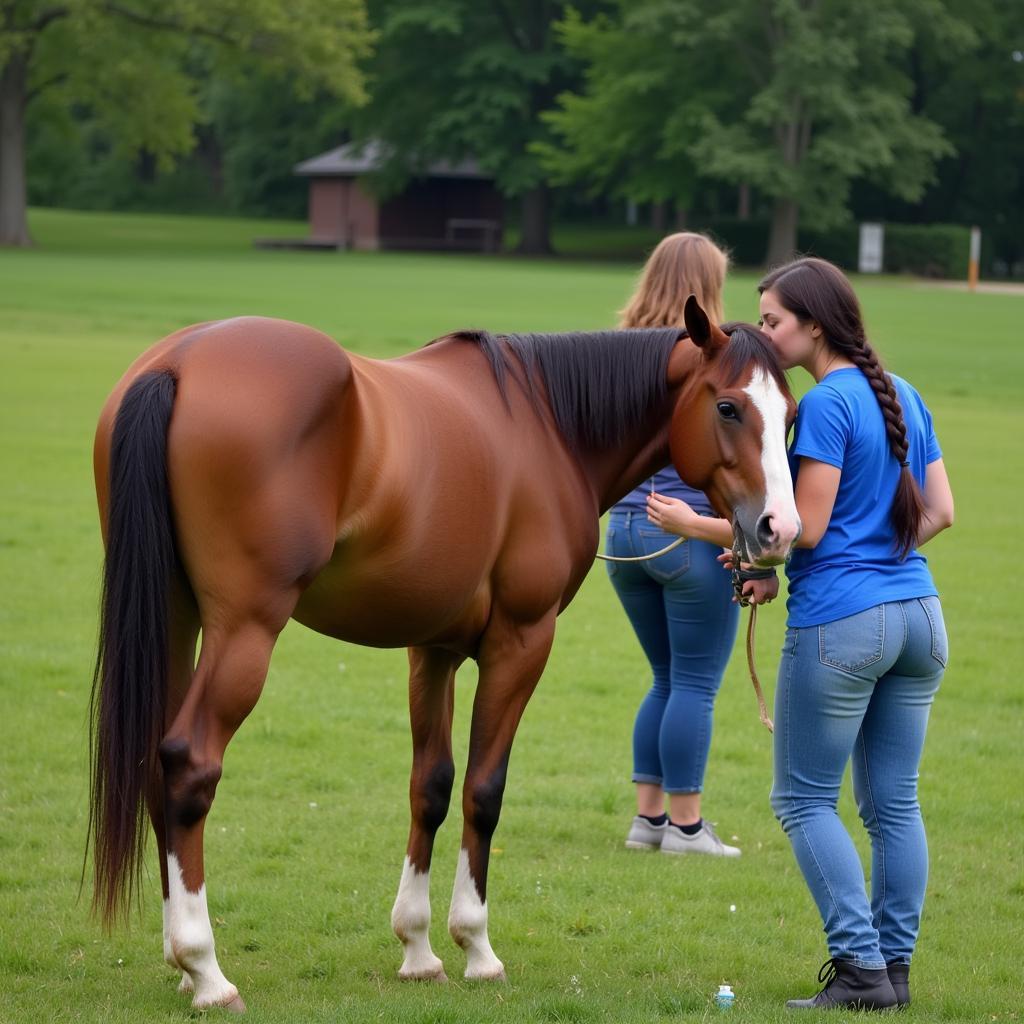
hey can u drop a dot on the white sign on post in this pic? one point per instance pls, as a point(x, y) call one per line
point(872, 243)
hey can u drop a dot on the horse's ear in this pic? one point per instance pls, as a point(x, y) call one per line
point(703, 333)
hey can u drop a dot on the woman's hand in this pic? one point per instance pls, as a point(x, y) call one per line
point(761, 591)
point(755, 591)
point(672, 514)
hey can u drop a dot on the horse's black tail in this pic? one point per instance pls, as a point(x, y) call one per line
point(129, 688)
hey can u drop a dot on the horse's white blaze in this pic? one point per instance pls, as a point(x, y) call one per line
point(467, 922)
point(779, 504)
point(190, 941)
point(410, 920)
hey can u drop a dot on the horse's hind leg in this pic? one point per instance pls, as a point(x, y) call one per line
point(431, 700)
point(184, 631)
point(512, 657)
point(227, 683)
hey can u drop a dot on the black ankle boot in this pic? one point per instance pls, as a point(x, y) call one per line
point(855, 988)
point(899, 975)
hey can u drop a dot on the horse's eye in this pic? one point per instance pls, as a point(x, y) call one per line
point(728, 411)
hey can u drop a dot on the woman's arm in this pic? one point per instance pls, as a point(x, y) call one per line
point(673, 515)
point(817, 485)
point(938, 502)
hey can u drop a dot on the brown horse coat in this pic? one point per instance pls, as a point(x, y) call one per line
point(437, 501)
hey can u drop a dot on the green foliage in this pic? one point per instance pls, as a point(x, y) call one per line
point(797, 99)
point(932, 250)
point(120, 81)
point(133, 66)
point(262, 129)
point(457, 78)
point(624, 133)
point(978, 99)
point(928, 250)
point(300, 895)
point(253, 130)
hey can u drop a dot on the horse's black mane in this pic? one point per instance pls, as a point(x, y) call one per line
point(749, 345)
point(601, 385)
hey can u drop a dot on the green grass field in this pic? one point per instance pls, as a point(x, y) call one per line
point(306, 839)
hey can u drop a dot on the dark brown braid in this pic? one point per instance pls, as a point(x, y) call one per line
point(816, 291)
point(864, 357)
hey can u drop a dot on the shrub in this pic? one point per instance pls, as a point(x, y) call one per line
point(932, 250)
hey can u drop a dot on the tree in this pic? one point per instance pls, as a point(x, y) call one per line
point(977, 97)
point(796, 97)
point(128, 60)
point(452, 79)
point(626, 133)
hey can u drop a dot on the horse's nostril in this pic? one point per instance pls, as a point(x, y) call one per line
point(764, 531)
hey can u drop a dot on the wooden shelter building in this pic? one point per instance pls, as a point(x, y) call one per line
point(452, 206)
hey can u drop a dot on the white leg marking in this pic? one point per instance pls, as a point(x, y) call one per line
point(410, 920)
point(190, 939)
point(467, 922)
point(186, 982)
point(779, 501)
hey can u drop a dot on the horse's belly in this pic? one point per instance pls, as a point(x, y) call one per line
point(400, 610)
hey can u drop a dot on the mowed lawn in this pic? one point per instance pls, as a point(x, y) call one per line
point(305, 842)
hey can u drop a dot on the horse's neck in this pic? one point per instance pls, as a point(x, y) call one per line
point(614, 473)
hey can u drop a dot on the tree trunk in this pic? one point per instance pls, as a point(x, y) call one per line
point(743, 202)
point(658, 211)
point(782, 243)
point(536, 233)
point(13, 191)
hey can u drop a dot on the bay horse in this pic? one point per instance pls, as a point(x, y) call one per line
point(250, 470)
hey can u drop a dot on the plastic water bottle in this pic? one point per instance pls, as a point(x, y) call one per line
point(724, 997)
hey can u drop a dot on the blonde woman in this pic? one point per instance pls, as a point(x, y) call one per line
point(679, 604)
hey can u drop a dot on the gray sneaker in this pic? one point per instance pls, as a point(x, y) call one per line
point(676, 841)
point(645, 836)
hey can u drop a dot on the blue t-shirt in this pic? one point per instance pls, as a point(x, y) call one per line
point(856, 564)
point(666, 481)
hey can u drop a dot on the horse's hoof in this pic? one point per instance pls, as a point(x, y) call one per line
point(235, 1006)
point(185, 986)
point(438, 975)
point(487, 975)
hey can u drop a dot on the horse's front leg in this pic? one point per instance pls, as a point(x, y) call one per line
point(512, 657)
point(431, 701)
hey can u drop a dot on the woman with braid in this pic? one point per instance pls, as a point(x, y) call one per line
point(865, 645)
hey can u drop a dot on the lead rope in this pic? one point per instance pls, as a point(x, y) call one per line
point(739, 577)
point(643, 558)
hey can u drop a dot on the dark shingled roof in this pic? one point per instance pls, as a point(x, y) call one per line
point(356, 158)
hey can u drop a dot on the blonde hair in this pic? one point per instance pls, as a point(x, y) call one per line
point(683, 264)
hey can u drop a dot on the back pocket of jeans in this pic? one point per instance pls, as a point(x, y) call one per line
point(940, 642)
point(672, 564)
point(853, 643)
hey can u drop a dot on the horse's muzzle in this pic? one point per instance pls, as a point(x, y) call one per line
point(768, 540)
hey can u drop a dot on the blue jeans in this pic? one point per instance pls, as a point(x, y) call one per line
point(860, 687)
point(680, 606)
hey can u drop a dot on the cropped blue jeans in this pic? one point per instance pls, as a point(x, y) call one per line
point(680, 606)
point(860, 688)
